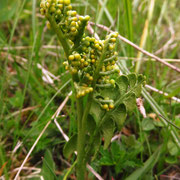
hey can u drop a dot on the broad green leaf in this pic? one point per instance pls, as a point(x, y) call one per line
point(111, 93)
point(148, 165)
point(106, 158)
point(16, 100)
point(96, 145)
point(132, 79)
point(70, 146)
point(119, 115)
point(48, 167)
point(130, 102)
point(158, 123)
point(123, 83)
point(117, 151)
point(108, 131)
point(138, 87)
point(171, 160)
point(130, 140)
point(141, 79)
point(173, 149)
point(96, 111)
point(147, 124)
point(91, 124)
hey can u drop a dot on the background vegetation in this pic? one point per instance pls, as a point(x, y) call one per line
point(33, 83)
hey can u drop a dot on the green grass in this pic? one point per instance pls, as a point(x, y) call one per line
point(22, 86)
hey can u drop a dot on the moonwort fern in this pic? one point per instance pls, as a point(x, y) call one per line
point(103, 97)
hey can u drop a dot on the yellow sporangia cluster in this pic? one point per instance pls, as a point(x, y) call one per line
point(85, 50)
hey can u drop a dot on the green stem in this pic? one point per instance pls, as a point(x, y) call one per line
point(60, 34)
point(80, 135)
point(81, 164)
point(81, 160)
point(69, 171)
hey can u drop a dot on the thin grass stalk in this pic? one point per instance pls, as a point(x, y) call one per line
point(145, 34)
point(129, 24)
point(100, 14)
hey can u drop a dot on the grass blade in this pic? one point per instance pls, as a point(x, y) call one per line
point(148, 165)
point(129, 24)
point(145, 34)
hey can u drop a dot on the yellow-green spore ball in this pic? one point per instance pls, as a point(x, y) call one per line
point(84, 48)
point(87, 18)
point(103, 68)
point(74, 19)
point(69, 7)
point(85, 63)
point(74, 33)
point(82, 60)
point(60, 6)
point(90, 78)
point(86, 43)
point(73, 29)
point(113, 40)
point(74, 71)
point(115, 34)
point(96, 45)
point(87, 91)
point(73, 23)
point(61, 1)
point(92, 51)
point(48, 25)
point(111, 47)
point(92, 56)
point(82, 93)
point(67, 2)
point(42, 5)
point(66, 67)
point(58, 12)
point(113, 62)
point(112, 81)
point(88, 38)
point(105, 106)
point(93, 61)
point(52, 9)
point(47, 5)
point(111, 106)
point(91, 89)
point(108, 68)
point(71, 13)
point(43, 11)
point(77, 56)
point(81, 18)
point(71, 57)
point(100, 48)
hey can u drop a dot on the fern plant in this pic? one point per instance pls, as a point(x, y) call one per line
point(103, 97)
